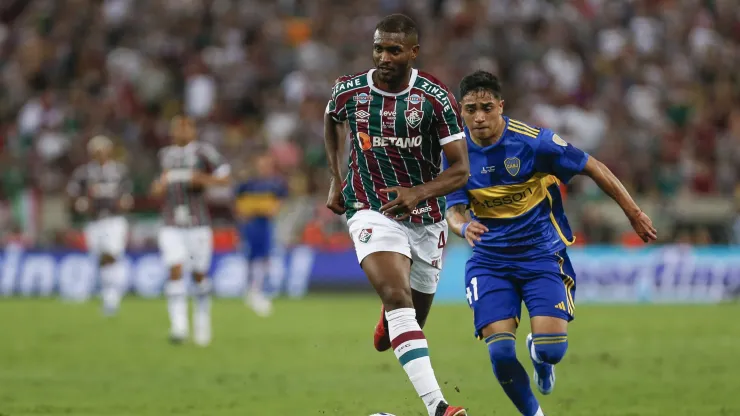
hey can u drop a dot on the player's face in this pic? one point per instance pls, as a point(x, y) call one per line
point(265, 165)
point(182, 131)
point(101, 154)
point(482, 113)
point(392, 55)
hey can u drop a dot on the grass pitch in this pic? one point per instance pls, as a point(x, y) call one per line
point(315, 357)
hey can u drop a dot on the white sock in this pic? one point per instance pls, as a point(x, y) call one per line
point(301, 263)
point(412, 351)
point(258, 274)
point(110, 286)
point(202, 313)
point(539, 412)
point(177, 306)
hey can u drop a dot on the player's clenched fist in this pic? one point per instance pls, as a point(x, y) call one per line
point(472, 231)
point(643, 226)
point(335, 201)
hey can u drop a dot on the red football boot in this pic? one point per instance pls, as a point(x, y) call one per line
point(381, 338)
point(443, 409)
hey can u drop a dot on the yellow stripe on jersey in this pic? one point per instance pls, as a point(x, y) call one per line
point(258, 204)
point(509, 201)
point(555, 222)
point(519, 127)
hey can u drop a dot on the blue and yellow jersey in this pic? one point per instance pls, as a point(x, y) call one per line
point(513, 189)
point(259, 198)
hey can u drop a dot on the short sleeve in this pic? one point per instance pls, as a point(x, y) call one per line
point(459, 196)
point(215, 162)
point(556, 156)
point(449, 125)
point(337, 111)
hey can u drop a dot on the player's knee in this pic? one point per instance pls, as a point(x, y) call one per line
point(396, 298)
point(106, 259)
point(550, 348)
point(176, 272)
point(502, 348)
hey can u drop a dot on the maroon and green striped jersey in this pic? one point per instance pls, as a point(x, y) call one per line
point(396, 138)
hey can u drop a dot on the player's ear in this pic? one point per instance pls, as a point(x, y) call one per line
point(414, 51)
point(501, 106)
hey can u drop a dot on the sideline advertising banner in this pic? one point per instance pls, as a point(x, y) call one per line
point(604, 274)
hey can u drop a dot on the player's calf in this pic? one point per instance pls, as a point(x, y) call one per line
point(202, 310)
point(110, 279)
point(510, 373)
point(177, 305)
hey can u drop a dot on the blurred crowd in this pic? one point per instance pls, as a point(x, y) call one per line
point(648, 86)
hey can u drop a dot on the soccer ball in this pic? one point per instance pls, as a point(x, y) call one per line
point(381, 414)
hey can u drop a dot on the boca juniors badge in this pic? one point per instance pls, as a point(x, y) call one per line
point(512, 165)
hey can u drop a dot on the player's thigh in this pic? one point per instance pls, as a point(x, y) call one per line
point(549, 295)
point(257, 237)
point(199, 243)
point(495, 300)
point(427, 246)
point(115, 235)
point(93, 238)
point(384, 253)
point(172, 246)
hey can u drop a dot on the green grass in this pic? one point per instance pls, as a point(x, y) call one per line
point(315, 357)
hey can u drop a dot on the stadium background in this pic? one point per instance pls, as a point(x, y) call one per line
point(649, 87)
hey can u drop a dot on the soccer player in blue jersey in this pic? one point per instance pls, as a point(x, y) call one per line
point(257, 203)
point(519, 233)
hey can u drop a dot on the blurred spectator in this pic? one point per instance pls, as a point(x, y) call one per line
point(650, 87)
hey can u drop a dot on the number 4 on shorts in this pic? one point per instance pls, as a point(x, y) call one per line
point(442, 241)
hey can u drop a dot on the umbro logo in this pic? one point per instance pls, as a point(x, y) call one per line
point(362, 114)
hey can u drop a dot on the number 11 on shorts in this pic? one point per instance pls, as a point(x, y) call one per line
point(472, 297)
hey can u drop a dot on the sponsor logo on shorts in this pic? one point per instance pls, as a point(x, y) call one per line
point(422, 210)
point(365, 235)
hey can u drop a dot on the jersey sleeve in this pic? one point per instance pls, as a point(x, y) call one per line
point(556, 156)
point(215, 162)
point(336, 110)
point(459, 196)
point(449, 124)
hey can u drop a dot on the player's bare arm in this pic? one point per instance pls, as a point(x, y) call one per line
point(332, 144)
point(451, 179)
point(460, 223)
point(613, 187)
point(205, 179)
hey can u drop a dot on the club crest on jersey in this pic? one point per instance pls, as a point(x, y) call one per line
point(414, 99)
point(363, 98)
point(365, 235)
point(414, 117)
point(512, 165)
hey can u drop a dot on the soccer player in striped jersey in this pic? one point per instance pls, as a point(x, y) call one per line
point(519, 233)
point(101, 190)
point(400, 121)
point(186, 239)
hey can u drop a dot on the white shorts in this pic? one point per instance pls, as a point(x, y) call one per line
point(372, 231)
point(107, 236)
point(190, 248)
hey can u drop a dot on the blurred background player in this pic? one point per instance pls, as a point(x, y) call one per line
point(100, 190)
point(400, 121)
point(519, 235)
point(186, 238)
point(258, 199)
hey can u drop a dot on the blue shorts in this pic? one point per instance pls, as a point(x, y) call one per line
point(256, 237)
point(495, 292)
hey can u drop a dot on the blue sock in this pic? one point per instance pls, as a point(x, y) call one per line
point(549, 348)
point(510, 373)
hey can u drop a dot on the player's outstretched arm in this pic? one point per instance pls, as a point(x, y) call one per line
point(332, 145)
point(450, 180)
point(460, 223)
point(613, 187)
